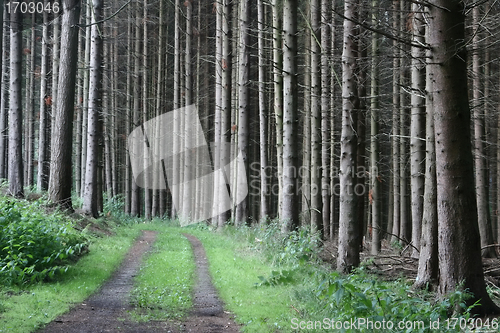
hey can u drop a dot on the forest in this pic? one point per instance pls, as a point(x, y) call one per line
point(371, 124)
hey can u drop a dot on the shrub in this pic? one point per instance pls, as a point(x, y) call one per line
point(360, 295)
point(33, 245)
point(290, 249)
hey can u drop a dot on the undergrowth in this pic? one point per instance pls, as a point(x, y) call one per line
point(35, 245)
point(308, 296)
point(25, 308)
point(297, 248)
point(362, 298)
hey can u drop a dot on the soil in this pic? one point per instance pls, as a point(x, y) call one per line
point(108, 309)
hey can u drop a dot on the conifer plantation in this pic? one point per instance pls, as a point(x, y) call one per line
point(371, 124)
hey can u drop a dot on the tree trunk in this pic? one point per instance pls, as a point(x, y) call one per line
point(94, 129)
point(135, 200)
point(107, 114)
point(326, 113)
point(86, 73)
point(428, 274)
point(61, 149)
point(459, 245)
point(188, 188)
point(417, 129)
point(405, 222)
point(30, 106)
point(242, 211)
point(374, 197)
point(306, 129)
point(79, 116)
point(128, 116)
point(15, 173)
point(116, 165)
point(218, 102)
point(278, 97)
point(361, 182)
point(225, 119)
point(145, 103)
point(158, 201)
point(481, 169)
point(316, 204)
point(56, 47)
point(334, 82)
point(290, 215)
point(4, 95)
point(263, 114)
point(348, 248)
point(396, 220)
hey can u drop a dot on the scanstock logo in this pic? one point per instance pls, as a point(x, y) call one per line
point(171, 152)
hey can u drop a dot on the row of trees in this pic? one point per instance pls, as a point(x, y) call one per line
point(351, 117)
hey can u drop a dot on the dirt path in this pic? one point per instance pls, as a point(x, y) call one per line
point(208, 314)
point(106, 311)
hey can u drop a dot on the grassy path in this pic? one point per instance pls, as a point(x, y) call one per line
point(163, 293)
point(106, 310)
point(208, 313)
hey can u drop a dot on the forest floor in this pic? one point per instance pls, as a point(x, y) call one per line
point(392, 263)
point(108, 310)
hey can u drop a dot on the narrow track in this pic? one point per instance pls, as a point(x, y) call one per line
point(208, 313)
point(107, 310)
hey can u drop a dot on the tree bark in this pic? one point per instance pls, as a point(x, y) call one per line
point(218, 100)
point(360, 165)
point(128, 116)
point(158, 205)
point(145, 102)
point(242, 211)
point(290, 215)
point(107, 114)
point(86, 73)
point(459, 245)
point(135, 199)
point(278, 97)
point(348, 248)
point(480, 163)
point(94, 129)
point(326, 114)
point(56, 55)
point(263, 114)
point(374, 197)
point(316, 203)
point(428, 274)
point(4, 95)
point(30, 106)
point(79, 116)
point(226, 85)
point(306, 129)
point(15, 172)
point(396, 219)
point(61, 148)
point(417, 128)
point(405, 222)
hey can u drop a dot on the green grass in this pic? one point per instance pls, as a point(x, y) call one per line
point(272, 283)
point(165, 283)
point(23, 309)
point(235, 269)
point(264, 278)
